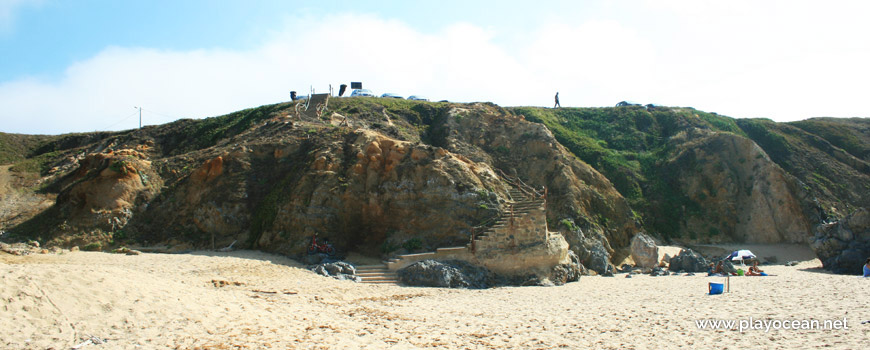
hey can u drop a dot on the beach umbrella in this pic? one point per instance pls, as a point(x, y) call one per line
point(741, 255)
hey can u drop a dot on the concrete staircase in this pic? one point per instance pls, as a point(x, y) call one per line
point(378, 274)
point(521, 204)
point(523, 201)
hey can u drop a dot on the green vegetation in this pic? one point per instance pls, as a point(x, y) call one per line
point(624, 143)
point(40, 164)
point(16, 147)
point(759, 130)
point(191, 135)
point(413, 244)
point(846, 134)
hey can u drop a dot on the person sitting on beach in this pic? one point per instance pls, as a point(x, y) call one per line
point(755, 271)
point(720, 269)
point(867, 268)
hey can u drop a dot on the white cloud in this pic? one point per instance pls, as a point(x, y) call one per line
point(767, 66)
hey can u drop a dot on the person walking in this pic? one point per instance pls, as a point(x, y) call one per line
point(557, 101)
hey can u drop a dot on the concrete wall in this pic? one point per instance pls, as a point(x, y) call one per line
point(521, 246)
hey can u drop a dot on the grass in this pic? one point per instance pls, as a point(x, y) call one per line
point(17, 147)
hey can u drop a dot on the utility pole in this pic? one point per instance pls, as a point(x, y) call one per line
point(140, 116)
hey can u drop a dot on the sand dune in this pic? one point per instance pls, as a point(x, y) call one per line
point(259, 301)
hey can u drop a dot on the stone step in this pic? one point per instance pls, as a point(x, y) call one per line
point(381, 282)
point(449, 249)
point(416, 255)
point(370, 267)
point(380, 270)
point(379, 278)
point(375, 273)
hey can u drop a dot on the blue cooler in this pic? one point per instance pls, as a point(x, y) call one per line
point(716, 288)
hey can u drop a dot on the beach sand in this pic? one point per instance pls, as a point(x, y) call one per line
point(253, 300)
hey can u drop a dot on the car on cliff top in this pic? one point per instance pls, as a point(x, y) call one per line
point(392, 95)
point(361, 93)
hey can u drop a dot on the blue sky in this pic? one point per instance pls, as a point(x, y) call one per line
point(75, 66)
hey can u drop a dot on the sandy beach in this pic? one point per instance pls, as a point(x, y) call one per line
point(253, 300)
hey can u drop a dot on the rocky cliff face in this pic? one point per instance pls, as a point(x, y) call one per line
point(397, 180)
point(844, 246)
point(739, 194)
point(385, 177)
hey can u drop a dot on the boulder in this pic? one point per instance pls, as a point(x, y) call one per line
point(568, 272)
point(688, 261)
point(644, 251)
point(728, 266)
point(594, 256)
point(339, 270)
point(843, 246)
point(317, 259)
point(446, 274)
point(659, 271)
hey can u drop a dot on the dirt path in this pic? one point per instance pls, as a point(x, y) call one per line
point(5, 181)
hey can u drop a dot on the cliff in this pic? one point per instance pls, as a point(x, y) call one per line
point(372, 176)
point(385, 177)
point(699, 177)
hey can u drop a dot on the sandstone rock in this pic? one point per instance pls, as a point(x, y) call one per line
point(644, 251)
point(665, 260)
point(447, 274)
point(688, 261)
point(844, 246)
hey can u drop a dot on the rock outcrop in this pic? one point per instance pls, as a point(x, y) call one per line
point(688, 261)
point(462, 274)
point(446, 274)
point(339, 270)
point(738, 194)
point(644, 251)
point(844, 246)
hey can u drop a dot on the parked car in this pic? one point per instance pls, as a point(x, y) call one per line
point(627, 103)
point(361, 93)
point(392, 95)
point(417, 98)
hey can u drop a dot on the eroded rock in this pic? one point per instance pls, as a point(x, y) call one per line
point(644, 251)
point(844, 246)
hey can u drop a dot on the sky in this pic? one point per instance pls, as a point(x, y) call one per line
point(84, 65)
